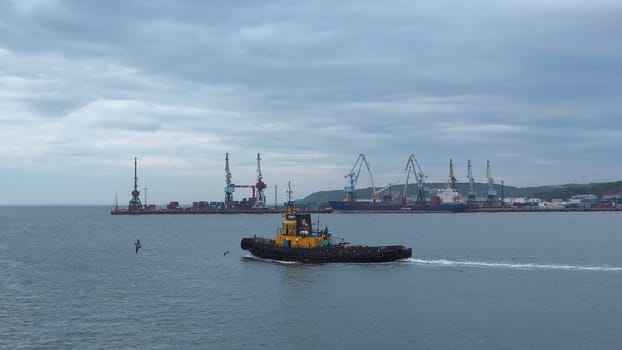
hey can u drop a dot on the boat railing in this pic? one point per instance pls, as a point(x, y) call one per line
point(267, 241)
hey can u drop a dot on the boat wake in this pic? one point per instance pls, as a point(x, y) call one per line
point(252, 257)
point(517, 266)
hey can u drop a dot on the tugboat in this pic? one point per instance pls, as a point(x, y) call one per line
point(298, 241)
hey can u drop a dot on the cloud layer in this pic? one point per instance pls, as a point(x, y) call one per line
point(84, 87)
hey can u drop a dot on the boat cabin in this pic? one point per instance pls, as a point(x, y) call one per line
point(297, 232)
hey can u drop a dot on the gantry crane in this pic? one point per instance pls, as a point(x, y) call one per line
point(413, 166)
point(353, 178)
point(230, 188)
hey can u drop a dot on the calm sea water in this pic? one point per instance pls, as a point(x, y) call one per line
point(70, 279)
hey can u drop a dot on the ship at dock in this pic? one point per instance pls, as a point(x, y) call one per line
point(298, 240)
point(436, 205)
point(445, 200)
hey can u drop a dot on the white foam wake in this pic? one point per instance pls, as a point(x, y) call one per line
point(521, 266)
point(252, 257)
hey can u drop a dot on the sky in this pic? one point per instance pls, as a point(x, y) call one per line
point(85, 86)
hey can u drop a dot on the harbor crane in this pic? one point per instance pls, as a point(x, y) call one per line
point(353, 176)
point(260, 186)
point(491, 200)
point(135, 203)
point(413, 166)
point(229, 186)
point(452, 179)
point(471, 201)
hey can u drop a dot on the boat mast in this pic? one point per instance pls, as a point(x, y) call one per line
point(289, 205)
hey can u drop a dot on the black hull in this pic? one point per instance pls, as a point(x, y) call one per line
point(266, 249)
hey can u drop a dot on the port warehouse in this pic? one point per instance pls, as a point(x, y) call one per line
point(587, 201)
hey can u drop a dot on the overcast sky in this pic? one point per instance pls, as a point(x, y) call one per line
point(85, 86)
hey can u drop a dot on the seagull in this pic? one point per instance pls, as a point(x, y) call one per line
point(226, 252)
point(138, 245)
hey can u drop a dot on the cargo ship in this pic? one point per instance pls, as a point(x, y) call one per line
point(298, 241)
point(447, 200)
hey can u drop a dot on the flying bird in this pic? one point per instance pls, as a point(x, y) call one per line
point(226, 252)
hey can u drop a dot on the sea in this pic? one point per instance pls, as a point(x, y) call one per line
point(70, 279)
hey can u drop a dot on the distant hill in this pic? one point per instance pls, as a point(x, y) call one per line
point(613, 189)
point(547, 193)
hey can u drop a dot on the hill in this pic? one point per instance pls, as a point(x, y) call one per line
point(547, 193)
point(613, 189)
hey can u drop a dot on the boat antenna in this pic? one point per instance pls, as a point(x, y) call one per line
point(290, 204)
point(289, 192)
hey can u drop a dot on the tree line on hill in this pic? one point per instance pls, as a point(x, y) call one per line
point(546, 193)
point(613, 189)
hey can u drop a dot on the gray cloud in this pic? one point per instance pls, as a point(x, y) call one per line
point(310, 85)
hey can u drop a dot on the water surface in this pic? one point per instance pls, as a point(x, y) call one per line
point(69, 278)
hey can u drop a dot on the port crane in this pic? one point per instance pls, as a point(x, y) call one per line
point(452, 179)
point(115, 203)
point(353, 176)
point(135, 203)
point(471, 202)
point(412, 165)
point(229, 186)
point(491, 200)
point(260, 186)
